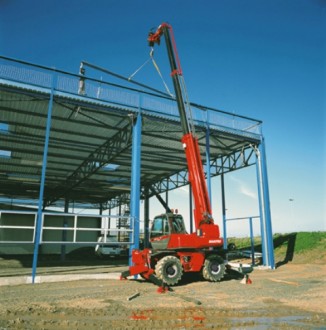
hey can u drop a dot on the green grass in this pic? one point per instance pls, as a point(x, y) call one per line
point(301, 247)
point(244, 242)
point(301, 241)
point(306, 241)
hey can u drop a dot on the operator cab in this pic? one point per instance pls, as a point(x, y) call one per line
point(163, 226)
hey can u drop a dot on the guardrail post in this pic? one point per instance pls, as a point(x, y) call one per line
point(252, 242)
point(40, 201)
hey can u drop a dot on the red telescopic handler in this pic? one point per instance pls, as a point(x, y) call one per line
point(173, 251)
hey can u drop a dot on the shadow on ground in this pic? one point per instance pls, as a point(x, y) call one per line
point(288, 240)
point(284, 246)
point(85, 256)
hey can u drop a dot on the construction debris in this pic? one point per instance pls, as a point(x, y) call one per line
point(135, 295)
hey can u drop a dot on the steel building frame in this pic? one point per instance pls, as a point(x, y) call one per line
point(93, 140)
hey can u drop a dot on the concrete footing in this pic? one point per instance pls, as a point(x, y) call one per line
point(17, 280)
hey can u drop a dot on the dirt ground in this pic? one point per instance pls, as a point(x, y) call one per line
point(291, 297)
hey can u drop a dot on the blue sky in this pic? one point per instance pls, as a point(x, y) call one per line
point(259, 58)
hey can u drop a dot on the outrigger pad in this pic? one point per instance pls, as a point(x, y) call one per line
point(155, 280)
point(246, 280)
point(124, 275)
point(163, 289)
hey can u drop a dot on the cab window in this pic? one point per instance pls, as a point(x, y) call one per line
point(177, 224)
point(160, 227)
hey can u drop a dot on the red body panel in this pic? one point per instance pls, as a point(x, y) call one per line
point(192, 261)
point(193, 241)
point(141, 263)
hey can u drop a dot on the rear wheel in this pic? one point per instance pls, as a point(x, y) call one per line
point(169, 270)
point(214, 268)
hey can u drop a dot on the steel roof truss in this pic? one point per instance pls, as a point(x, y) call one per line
point(97, 159)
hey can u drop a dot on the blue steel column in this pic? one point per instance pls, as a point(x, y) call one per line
point(135, 182)
point(190, 210)
point(146, 218)
point(64, 232)
point(223, 212)
point(208, 161)
point(167, 193)
point(40, 201)
point(264, 206)
point(261, 209)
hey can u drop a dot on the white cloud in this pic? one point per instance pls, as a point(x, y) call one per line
point(246, 191)
point(244, 188)
point(184, 189)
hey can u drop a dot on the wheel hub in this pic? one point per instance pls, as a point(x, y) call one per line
point(215, 268)
point(170, 270)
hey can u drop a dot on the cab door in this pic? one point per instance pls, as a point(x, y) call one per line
point(160, 232)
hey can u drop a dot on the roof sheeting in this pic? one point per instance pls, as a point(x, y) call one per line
point(89, 154)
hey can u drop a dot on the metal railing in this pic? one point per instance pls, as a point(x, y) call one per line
point(95, 89)
point(251, 232)
point(63, 228)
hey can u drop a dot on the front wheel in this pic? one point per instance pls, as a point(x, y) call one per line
point(214, 268)
point(169, 270)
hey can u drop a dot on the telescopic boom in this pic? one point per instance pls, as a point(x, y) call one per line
point(202, 211)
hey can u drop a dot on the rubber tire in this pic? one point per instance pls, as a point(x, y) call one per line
point(232, 247)
point(169, 270)
point(214, 268)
